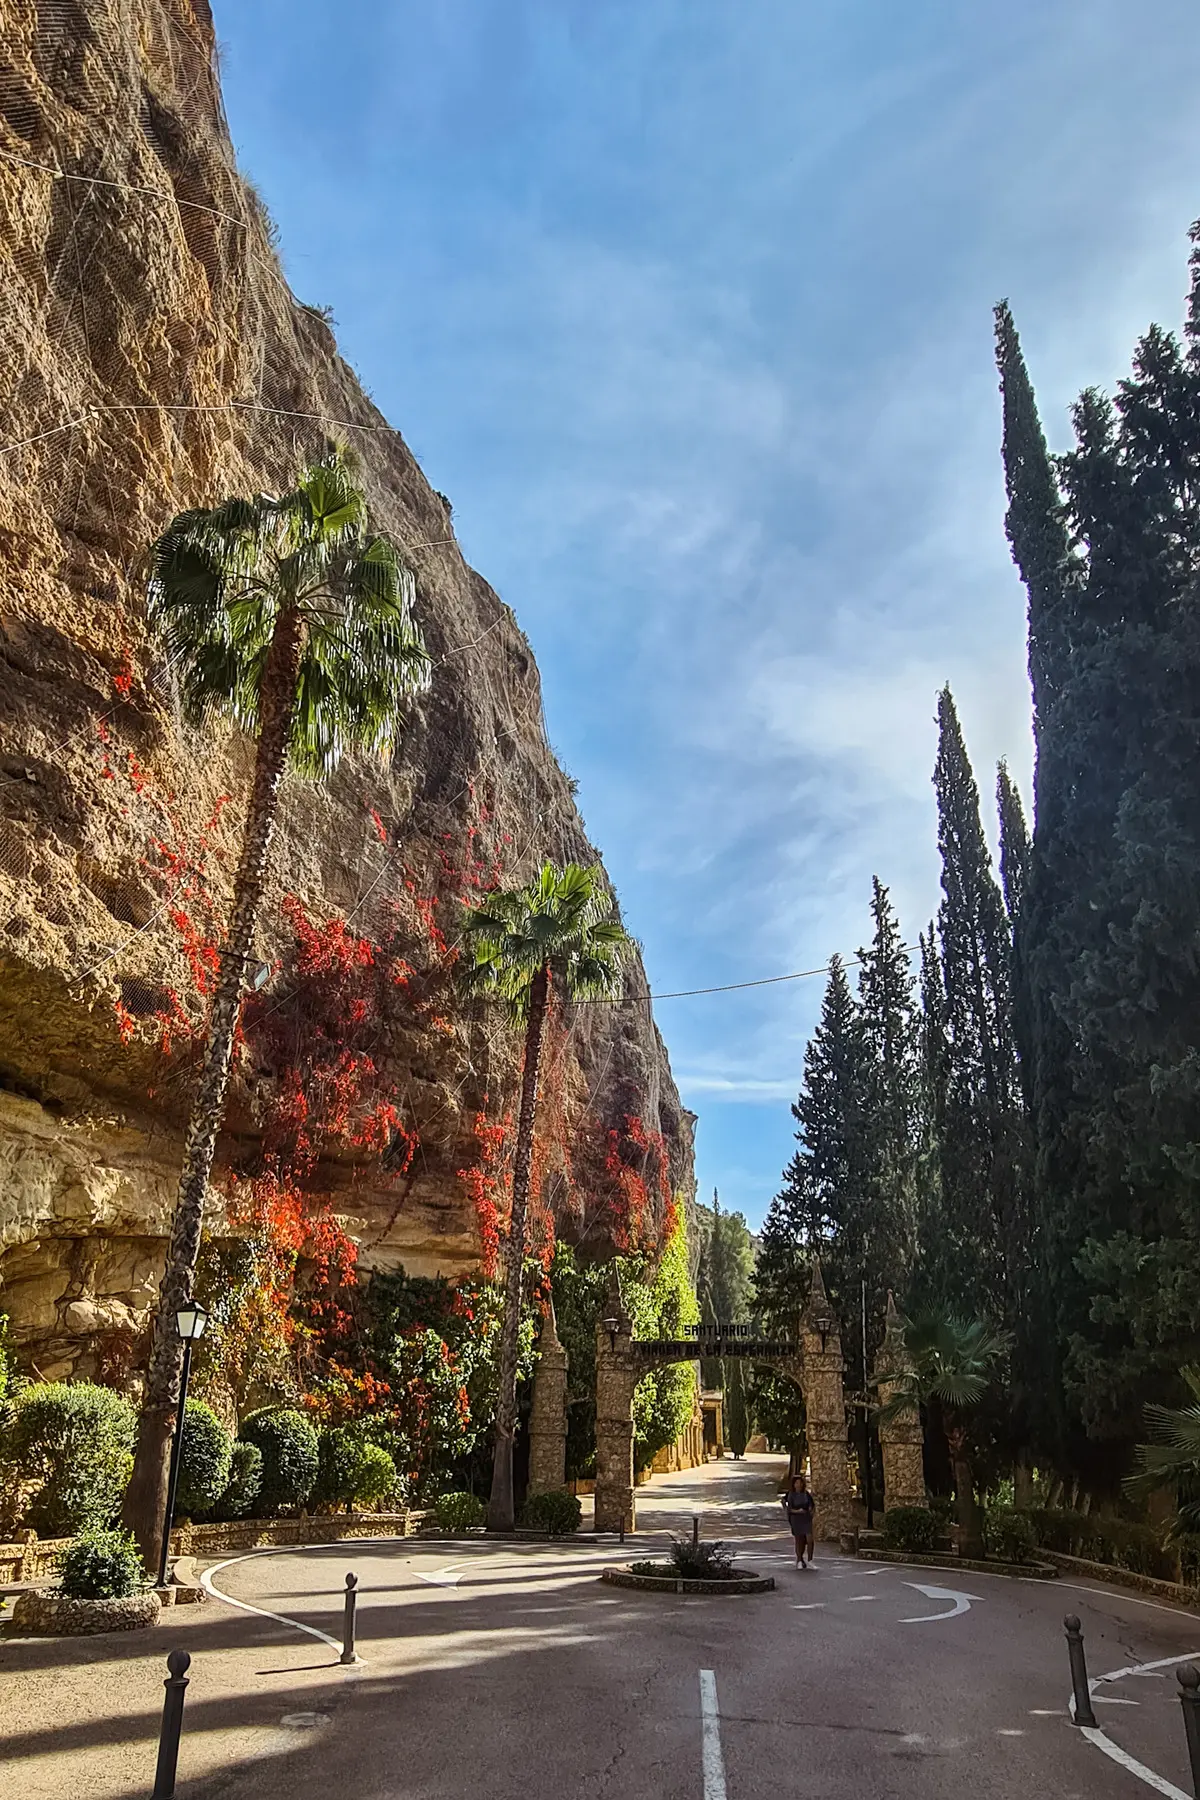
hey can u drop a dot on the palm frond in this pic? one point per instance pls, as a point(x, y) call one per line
point(221, 577)
point(564, 920)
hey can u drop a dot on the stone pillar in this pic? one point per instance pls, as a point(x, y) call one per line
point(548, 1421)
point(901, 1438)
point(825, 1411)
point(617, 1374)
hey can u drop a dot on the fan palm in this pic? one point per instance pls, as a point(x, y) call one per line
point(1172, 1459)
point(285, 616)
point(562, 933)
point(951, 1361)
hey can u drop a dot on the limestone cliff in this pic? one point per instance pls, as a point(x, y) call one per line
point(152, 357)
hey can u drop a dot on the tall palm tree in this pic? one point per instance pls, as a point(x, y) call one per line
point(951, 1361)
point(1172, 1458)
point(562, 933)
point(287, 617)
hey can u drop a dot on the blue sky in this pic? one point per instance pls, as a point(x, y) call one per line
point(686, 304)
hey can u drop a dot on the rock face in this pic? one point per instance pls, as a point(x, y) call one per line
point(152, 357)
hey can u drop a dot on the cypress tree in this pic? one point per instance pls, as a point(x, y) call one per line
point(1014, 843)
point(976, 1248)
point(890, 1116)
point(1108, 934)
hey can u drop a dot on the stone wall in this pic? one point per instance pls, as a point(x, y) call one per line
point(153, 357)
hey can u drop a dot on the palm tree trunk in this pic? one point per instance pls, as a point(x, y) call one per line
point(970, 1519)
point(146, 1497)
point(500, 1506)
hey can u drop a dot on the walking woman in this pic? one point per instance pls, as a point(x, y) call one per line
point(800, 1508)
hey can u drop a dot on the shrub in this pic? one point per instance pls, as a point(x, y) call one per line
point(351, 1469)
point(911, 1528)
point(701, 1562)
point(241, 1492)
point(944, 1510)
point(74, 1440)
point(1009, 1534)
point(205, 1455)
point(458, 1512)
point(290, 1458)
point(1102, 1538)
point(101, 1565)
point(557, 1513)
point(376, 1477)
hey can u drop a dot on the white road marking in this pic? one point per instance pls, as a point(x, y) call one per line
point(807, 1605)
point(264, 1612)
point(710, 1726)
point(1095, 1735)
point(851, 1598)
point(450, 1576)
point(962, 1603)
point(1009, 1731)
point(1102, 1701)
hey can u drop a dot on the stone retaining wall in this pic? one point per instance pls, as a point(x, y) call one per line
point(1177, 1591)
point(36, 1559)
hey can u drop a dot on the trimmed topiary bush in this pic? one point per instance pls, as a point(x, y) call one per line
point(556, 1513)
point(240, 1496)
point(705, 1561)
point(101, 1565)
point(458, 1512)
point(205, 1457)
point(290, 1457)
point(74, 1440)
point(910, 1528)
point(351, 1471)
point(1009, 1535)
point(376, 1477)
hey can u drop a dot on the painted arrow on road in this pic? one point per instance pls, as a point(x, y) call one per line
point(962, 1603)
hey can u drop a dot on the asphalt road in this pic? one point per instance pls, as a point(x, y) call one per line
point(510, 1670)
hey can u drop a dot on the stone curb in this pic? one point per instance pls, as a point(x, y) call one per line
point(1175, 1591)
point(666, 1584)
point(53, 1615)
point(1031, 1571)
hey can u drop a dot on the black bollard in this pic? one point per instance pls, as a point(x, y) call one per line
point(172, 1724)
point(695, 1528)
point(348, 1655)
point(1079, 1677)
point(1189, 1695)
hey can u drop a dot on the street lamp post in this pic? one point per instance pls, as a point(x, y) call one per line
point(189, 1322)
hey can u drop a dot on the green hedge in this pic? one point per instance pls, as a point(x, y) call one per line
point(911, 1528)
point(557, 1513)
point(352, 1471)
point(74, 1441)
point(101, 1565)
point(240, 1496)
point(290, 1459)
point(1119, 1542)
point(205, 1456)
point(458, 1512)
point(1009, 1534)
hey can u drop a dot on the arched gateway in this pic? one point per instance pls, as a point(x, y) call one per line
point(813, 1361)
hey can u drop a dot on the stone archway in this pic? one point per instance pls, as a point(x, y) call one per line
point(813, 1362)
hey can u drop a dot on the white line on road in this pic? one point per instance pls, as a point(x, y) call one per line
point(1095, 1735)
point(710, 1743)
point(210, 1587)
point(447, 1577)
point(807, 1605)
point(962, 1603)
point(851, 1598)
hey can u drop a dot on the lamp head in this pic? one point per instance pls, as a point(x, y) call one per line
point(190, 1322)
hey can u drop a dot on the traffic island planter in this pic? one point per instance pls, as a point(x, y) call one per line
point(676, 1584)
point(53, 1615)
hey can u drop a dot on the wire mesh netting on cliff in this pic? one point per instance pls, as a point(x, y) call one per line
point(155, 359)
